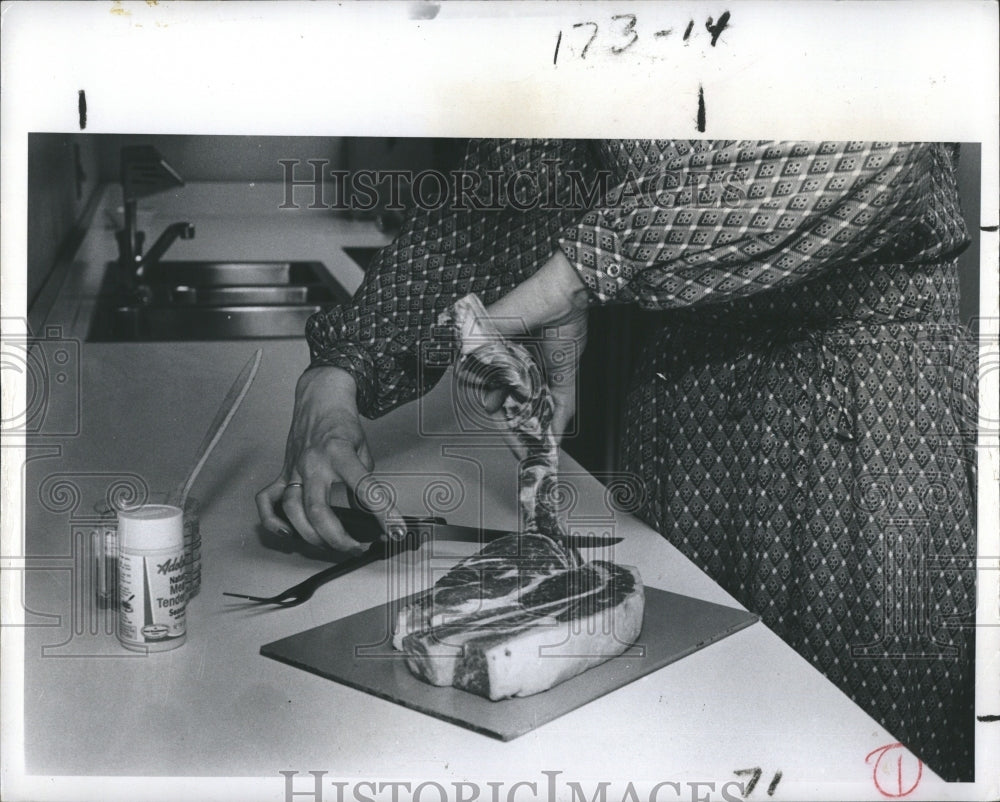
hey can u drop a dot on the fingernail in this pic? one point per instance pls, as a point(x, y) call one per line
point(285, 532)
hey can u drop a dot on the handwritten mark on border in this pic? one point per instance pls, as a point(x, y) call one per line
point(894, 784)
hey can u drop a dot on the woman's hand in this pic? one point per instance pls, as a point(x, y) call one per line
point(326, 446)
point(555, 300)
point(561, 345)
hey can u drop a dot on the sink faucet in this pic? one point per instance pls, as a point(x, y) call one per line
point(164, 241)
point(144, 172)
point(130, 244)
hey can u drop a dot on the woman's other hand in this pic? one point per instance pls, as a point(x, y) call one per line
point(561, 344)
point(553, 300)
point(326, 446)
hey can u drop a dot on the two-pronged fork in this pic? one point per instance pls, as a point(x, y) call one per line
point(302, 592)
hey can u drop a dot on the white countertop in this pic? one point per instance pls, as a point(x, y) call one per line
point(216, 708)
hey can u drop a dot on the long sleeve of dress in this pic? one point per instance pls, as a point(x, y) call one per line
point(442, 255)
point(707, 222)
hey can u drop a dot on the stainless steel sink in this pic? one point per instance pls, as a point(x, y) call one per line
point(236, 274)
point(217, 300)
point(133, 322)
point(248, 296)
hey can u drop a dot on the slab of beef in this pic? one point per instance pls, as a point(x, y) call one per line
point(519, 617)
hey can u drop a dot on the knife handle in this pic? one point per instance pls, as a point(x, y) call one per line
point(364, 526)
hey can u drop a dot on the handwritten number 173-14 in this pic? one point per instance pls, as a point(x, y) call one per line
point(623, 33)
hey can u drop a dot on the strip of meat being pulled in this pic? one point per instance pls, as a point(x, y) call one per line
point(500, 375)
point(525, 613)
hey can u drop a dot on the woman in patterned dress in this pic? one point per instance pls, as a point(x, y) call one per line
point(802, 416)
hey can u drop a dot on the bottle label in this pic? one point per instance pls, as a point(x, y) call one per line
point(152, 598)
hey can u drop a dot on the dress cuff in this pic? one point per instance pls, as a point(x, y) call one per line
point(595, 253)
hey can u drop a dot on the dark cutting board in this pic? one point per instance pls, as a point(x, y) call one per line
point(357, 651)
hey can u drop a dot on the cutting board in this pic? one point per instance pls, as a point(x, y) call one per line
point(357, 651)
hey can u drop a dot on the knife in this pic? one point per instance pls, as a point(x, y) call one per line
point(365, 527)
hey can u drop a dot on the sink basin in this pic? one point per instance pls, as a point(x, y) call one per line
point(267, 295)
point(236, 274)
point(133, 322)
point(214, 300)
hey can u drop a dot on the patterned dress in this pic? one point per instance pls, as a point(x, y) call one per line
point(803, 411)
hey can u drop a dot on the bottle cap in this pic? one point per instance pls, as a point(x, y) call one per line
point(151, 527)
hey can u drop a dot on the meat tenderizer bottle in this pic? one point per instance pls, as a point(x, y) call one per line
point(152, 590)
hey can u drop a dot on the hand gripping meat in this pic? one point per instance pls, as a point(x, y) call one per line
point(525, 613)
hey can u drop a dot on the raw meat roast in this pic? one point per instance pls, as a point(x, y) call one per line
point(518, 618)
point(525, 613)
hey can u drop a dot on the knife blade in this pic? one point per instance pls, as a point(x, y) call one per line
point(362, 525)
point(365, 527)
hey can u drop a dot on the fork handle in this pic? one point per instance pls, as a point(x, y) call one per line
point(375, 552)
point(379, 550)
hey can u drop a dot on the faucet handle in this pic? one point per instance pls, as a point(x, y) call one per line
point(123, 238)
point(130, 244)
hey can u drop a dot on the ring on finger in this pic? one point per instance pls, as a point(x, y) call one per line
point(290, 485)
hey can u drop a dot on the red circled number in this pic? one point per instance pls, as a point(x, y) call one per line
point(893, 772)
